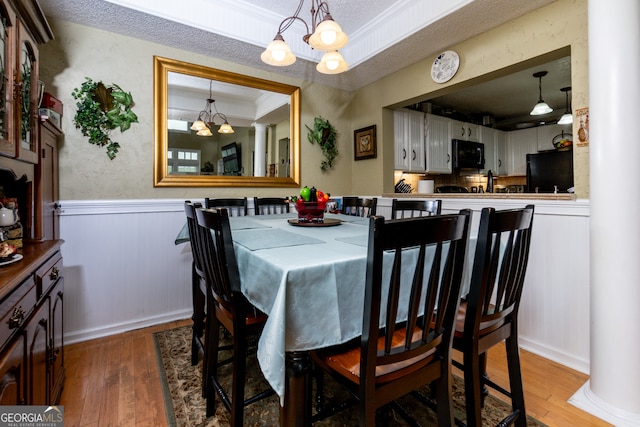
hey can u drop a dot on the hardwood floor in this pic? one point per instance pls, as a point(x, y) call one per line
point(114, 381)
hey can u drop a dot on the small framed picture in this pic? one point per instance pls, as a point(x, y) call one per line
point(364, 141)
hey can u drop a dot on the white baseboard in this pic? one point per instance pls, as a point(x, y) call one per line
point(89, 334)
point(568, 360)
point(586, 400)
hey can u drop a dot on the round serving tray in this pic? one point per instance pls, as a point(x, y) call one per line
point(10, 259)
point(328, 222)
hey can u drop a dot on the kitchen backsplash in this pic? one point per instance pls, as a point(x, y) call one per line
point(468, 181)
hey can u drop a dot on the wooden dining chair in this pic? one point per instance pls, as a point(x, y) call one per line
point(235, 207)
point(270, 205)
point(358, 206)
point(413, 208)
point(226, 307)
point(198, 285)
point(413, 275)
point(489, 314)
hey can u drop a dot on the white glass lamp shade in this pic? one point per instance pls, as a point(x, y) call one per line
point(566, 119)
point(204, 132)
point(225, 128)
point(198, 125)
point(278, 53)
point(332, 63)
point(328, 36)
point(541, 108)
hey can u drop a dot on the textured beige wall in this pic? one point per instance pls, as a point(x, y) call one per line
point(560, 27)
point(86, 173)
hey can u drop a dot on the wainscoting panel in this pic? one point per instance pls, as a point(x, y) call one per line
point(122, 268)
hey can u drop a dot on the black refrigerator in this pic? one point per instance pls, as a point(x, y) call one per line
point(548, 169)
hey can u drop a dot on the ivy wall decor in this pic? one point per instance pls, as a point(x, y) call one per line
point(324, 134)
point(101, 109)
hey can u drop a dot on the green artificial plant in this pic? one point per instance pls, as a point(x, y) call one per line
point(324, 134)
point(102, 109)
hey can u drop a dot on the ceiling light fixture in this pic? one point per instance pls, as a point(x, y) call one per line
point(326, 36)
point(541, 107)
point(567, 117)
point(205, 120)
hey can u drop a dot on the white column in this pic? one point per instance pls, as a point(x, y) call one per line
point(614, 112)
point(260, 149)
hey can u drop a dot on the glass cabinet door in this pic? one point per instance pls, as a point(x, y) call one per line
point(27, 82)
point(7, 139)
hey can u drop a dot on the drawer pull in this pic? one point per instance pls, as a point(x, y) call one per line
point(16, 317)
point(54, 273)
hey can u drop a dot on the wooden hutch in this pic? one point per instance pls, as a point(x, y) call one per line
point(31, 289)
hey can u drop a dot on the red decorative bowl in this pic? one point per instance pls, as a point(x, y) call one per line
point(310, 211)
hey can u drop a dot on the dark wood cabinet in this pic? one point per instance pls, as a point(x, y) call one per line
point(12, 372)
point(31, 327)
point(46, 225)
point(31, 290)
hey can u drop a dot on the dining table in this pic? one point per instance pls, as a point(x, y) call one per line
point(310, 281)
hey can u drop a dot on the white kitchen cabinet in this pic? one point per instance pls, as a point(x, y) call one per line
point(495, 150)
point(438, 145)
point(409, 140)
point(547, 133)
point(500, 139)
point(465, 131)
point(519, 144)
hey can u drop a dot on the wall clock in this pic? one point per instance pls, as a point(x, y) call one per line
point(445, 66)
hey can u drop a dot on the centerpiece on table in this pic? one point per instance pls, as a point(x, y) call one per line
point(311, 204)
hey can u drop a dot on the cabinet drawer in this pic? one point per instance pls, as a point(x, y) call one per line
point(17, 308)
point(48, 273)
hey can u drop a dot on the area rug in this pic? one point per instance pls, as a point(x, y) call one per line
point(185, 406)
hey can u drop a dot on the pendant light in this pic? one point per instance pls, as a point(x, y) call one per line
point(325, 35)
point(541, 107)
point(206, 117)
point(567, 117)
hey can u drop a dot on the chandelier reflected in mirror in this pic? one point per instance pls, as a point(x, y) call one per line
point(206, 118)
point(325, 35)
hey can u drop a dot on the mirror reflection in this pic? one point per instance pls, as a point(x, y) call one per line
point(216, 128)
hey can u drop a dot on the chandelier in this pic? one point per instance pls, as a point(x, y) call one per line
point(206, 118)
point(325, 35)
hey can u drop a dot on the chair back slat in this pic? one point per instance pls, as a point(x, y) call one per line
point(234, 206)
point(270, 205)
point(190, 211)
point(357, 206)
point(499, 268)
point(415, 208)
point(220, 267)
point(412, 252)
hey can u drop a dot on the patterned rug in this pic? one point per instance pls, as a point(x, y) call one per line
point(185, 406)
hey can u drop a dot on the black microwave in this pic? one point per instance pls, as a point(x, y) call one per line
point(467, 154)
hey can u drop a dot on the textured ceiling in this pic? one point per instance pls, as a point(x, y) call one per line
point(384, 35)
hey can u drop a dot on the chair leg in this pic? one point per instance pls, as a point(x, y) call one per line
point(444, 401)
point(210, 362)
point(198, 317)
point(239, 374)
point(515, 380)
point(472, 388)
point(484, 390)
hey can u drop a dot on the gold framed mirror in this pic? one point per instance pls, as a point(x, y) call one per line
point(276, 134)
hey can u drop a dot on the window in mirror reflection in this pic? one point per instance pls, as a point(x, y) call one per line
point(260, 120)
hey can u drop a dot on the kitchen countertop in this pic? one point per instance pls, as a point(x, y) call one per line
point(512, 196)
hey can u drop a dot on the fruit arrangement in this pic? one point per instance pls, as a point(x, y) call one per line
point(310, 204)
point(6, 250)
